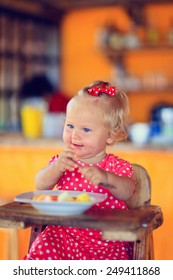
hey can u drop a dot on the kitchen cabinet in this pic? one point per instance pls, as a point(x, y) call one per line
point(29, 46)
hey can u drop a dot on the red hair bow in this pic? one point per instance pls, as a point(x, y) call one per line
point(95, 91)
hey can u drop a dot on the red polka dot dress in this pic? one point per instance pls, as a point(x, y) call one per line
point(69, 243)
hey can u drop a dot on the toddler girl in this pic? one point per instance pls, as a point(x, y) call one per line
point(95, 118)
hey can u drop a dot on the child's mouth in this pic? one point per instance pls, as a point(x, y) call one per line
point(77, 145)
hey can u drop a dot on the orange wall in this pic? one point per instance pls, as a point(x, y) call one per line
point(83, 61)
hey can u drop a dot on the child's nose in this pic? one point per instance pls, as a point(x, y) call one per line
point(76, 134)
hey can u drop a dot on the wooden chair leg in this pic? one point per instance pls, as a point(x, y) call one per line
point(13, 244)
point(11, 247)
point(139, 249)
point(151, 247)
point(143, 249)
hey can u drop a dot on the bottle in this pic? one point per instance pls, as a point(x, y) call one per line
point(152, 34)
point(170, 33)
point(131, 39)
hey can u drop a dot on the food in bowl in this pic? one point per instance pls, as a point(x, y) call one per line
point(63, 197)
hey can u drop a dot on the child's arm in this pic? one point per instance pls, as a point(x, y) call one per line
point(122, 187)
point(47, 177)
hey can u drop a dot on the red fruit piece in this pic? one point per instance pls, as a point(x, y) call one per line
point(54, 198)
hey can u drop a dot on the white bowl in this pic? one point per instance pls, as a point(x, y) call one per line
point(60, 208)
point(139, 133)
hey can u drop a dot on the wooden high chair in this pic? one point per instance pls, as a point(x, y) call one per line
point(143, 247)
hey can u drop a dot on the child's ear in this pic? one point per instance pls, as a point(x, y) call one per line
point(110, 139)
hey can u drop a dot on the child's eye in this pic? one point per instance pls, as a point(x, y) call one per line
point(70, 126)
point(85, 129)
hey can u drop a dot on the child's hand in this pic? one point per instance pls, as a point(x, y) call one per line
point(95, 175)
point(67, 160)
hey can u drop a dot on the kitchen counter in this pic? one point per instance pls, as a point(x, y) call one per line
point(17, 139)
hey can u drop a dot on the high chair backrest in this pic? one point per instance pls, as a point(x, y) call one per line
point(142, 195)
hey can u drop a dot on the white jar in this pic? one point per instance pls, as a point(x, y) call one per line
point(139, 133)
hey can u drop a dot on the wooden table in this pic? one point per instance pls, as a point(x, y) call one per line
point(130, 225)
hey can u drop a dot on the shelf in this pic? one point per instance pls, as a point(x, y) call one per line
point(114, 53)
point(47, 59)
point(168, 90)
point(118, 57)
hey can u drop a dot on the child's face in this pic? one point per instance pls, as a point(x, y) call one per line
point(85, 131)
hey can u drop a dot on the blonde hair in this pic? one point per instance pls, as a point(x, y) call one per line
point(113, 108)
